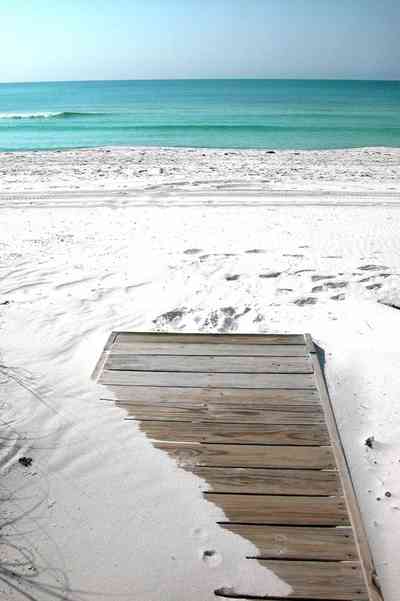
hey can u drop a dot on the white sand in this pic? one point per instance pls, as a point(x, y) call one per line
point(169, 170)
point(100, 511)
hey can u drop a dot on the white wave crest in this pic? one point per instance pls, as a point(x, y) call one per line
point(36, 115)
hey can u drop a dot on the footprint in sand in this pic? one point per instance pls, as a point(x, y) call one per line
point(224, 319)
point(336, 284)
point(307, 300)
point(271, 274)
point(173, 316)
point(200, 533)
point(232, 278)
point(208, 256)
point(192, 251)
point(211, 558)
point(372, 267)
point(317, 278)
point(374, 276)
point(373, 286)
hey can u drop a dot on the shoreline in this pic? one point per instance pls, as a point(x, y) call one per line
point(150, 147)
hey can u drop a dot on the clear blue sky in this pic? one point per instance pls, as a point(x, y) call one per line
point(44, 40)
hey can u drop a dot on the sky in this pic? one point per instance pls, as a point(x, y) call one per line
point(53, 40)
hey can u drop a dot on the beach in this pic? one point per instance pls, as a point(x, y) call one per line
point(195, 240)
point(174, 170)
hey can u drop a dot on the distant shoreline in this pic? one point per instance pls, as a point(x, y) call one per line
point(139, 147)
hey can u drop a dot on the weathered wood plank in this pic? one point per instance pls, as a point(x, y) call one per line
point(293, 542)
point(250, 406)
point(269, 481)
point(210, 380)
point(331, 580)
point(194, 349)
point(103, 357)
point(166, 412)
point(230, 455)
point(273, 398)
point(211, 338)
point(218, 414)
point(263, 434)
point(284, 510)
point(212, 364)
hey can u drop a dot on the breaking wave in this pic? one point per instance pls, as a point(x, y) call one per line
point(49, 115)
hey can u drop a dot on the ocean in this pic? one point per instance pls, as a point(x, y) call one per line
point(269, 114)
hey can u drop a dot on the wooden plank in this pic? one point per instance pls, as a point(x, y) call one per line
point(269, 481)
point(210, 338)
point(218, 414)
point(210, 380)
point(293, 542)
point(270, 398)
point(360, 535)
point(194, 349)
point(212, 364)
point(230, 455)
point(168, 413)
point(103, 357)
point(263, 434)
point(284, 510)
point(331, 580)
point(310, 346)
point(238, 408)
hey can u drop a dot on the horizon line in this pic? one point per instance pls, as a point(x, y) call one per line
point(50, 81)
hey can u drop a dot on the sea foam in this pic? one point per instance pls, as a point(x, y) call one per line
point(47, 115)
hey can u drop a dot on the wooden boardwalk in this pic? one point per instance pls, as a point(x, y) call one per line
point(251, 415)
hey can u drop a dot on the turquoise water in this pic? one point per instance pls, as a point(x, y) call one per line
point(308, 114)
